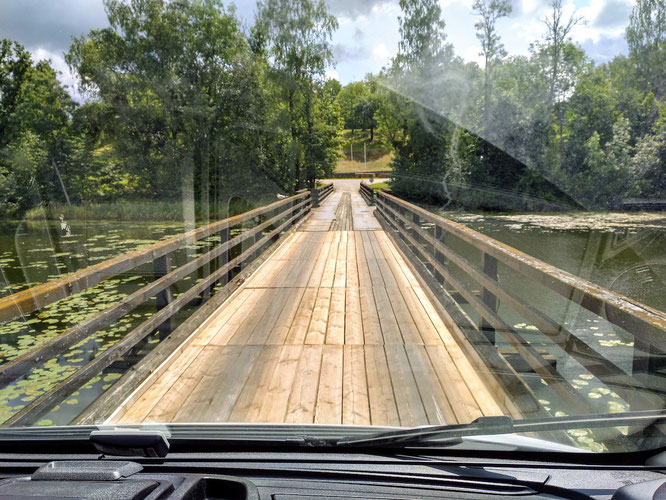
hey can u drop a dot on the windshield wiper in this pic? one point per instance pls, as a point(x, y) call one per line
point(447, 435)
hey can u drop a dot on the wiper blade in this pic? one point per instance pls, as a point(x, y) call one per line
point(433, 435)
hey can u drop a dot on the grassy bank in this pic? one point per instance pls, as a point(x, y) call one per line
point(379, 185)
point(140, 210)
point(378, 155)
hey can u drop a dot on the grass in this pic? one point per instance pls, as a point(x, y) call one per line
point(379, 185)
point(139, 210)
point(378, 155)
point(382, 164)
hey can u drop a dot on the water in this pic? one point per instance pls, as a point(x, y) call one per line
point(621, 252)
point(32, 252)
point(624, 252)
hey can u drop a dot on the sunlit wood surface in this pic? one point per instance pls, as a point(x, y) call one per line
point(334, 328)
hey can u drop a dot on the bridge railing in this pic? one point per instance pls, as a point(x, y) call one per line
point(218, 266)
point(432, 238)
point(367, 193)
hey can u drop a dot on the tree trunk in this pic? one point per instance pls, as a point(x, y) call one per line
point(297, 164)
point(62, 184)
point(308, 118)
point(372, 134)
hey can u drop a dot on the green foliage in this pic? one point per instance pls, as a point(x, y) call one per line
point(646, 37)
point(296, 34)
point(183, 107)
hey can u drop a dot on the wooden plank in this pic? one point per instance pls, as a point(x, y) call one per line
point(280, 331)
point(372, 330)
point(381, 259)
point(272, 306)
point(335, 328)
point(216, 372)
point(401, 271)
point(224, 397)
point(355, 403)
point(328, 274)
point(249, 401)
point(221, 317)
point(387, 320)
point(458, 393)
point(403, 316)
point(298, 264)
point(303, 396)
point(371, 260)
point(275, 264)
point(407, 397)
point(299, 327)
point(159, 360)
point(328, 409)
point(276, 398)
point(141, 409)
point(353, 317)
point(316, 333)
point(322, 257)
point(383, 410)
point(226, 332)
point(352, 267)
point(340, 276)
point(265, 306)
point(364, 278)
point(172, 400)
point(433, 395)
point(286, 267)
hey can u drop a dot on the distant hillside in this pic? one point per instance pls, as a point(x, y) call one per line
point(377, 154)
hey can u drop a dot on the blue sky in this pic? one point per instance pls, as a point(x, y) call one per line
point(365, 41)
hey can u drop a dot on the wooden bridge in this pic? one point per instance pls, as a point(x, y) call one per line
point(333, 328)
point(341, 307)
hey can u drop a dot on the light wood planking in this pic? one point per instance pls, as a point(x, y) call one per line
point(333, 328)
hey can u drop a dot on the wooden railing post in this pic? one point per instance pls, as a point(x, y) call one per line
point(648, 364)
point(439, 256)
point(257, 237)
point(161, 267)
point(225, 257)
point(314, 197)
point(489, 268)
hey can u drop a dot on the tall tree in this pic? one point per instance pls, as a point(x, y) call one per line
point(492, 50)
point(646, 37)
point(15, 64)
point(172, 72)
point(422, 37)
point(297, 35)
point(559, 28)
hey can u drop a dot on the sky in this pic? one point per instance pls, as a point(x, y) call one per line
point(365, 42)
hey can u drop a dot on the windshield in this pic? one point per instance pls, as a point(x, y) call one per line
point(386, 213)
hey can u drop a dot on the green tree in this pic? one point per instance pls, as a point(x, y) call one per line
point(422, 36)
point(492, 50)
point(15, 64)
point(296, 35)
point(646, 37)
point(606, 181)
point(185, 92)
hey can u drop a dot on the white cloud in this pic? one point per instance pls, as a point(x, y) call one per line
point(331, 74)
point(65, 75)
point(380, 52)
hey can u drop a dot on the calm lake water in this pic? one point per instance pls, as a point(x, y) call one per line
point(623, 252)
point(32, 252)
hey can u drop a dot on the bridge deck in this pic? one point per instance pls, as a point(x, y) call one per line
point(334, 328)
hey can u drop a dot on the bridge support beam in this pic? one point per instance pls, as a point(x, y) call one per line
point(161, 267)
point(489, 268)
